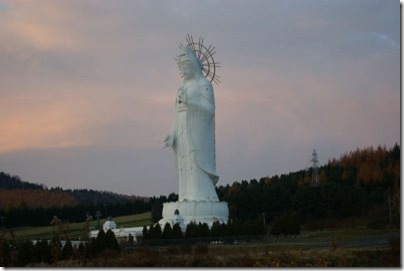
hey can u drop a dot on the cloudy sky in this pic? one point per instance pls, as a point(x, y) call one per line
point(87, 88)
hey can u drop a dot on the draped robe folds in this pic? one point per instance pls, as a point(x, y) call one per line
point(194, 142)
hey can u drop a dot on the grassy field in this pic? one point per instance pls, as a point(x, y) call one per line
point(75, 230)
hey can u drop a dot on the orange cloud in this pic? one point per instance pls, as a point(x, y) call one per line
point(43, 25)
point(24, 125)
point(82, 114)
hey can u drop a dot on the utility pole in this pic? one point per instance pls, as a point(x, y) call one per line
point(314, 160)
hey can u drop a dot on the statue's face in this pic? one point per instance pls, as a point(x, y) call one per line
point(186, 66)
point(189, 64)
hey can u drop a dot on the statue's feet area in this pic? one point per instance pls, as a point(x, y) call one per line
point(197, 211)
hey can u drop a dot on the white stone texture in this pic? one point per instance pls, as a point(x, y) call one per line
point(192, 138)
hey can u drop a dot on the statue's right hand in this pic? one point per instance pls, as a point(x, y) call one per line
point(168, 141)
point(181, 96)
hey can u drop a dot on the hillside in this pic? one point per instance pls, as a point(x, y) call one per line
point(14, 192)
point(28, 204)
point(361, 183)
point(8, 182)
point(19, 198)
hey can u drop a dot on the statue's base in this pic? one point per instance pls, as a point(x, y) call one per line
point(185, 212)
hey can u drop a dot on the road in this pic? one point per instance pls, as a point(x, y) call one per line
point(373, 241)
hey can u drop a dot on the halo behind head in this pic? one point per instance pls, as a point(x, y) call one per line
point(205, 56)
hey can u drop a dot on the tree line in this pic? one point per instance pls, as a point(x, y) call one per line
point(364, 182)
point(29, 204)
point(202, 230)
point(14, 192)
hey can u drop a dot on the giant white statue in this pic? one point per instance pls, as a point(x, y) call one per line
point(192, 139)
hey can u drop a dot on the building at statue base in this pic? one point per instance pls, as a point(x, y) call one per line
point(185, 212)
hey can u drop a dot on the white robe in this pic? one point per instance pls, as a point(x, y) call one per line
point(194, 146)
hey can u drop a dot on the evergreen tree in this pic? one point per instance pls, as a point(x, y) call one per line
point(110, 241)
point(215, 230)
point(131, 240)
point(155, 231)
point(87, 250)
point(5, 253)
point(203, 230)
point(157, 211)
point(145, 233)
point(98, 245)
point(43, 252)
point(67, 251)
point(25, 252)
point(230, 228)
point(100, 240)
point(177, 232)
point(82, 251)
point(191, 230)
point(167, 232)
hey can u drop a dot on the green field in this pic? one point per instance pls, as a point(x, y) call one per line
point(75, 230)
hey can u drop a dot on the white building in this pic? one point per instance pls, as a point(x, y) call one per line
point(122, 233)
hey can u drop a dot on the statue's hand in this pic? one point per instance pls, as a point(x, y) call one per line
point(182, 97)
point(169, 141)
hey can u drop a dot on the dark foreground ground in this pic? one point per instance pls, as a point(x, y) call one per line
point(316, 250)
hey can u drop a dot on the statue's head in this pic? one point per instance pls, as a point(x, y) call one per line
point(197, 60)
point(190, 66)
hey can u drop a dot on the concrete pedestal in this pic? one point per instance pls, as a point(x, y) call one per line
point(184, 212)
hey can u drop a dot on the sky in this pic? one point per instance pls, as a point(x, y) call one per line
point(87, 87)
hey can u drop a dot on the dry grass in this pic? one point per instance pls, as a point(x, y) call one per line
point(229, 256)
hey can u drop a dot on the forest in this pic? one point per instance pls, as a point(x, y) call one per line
point(28, 204)
point(361, 183)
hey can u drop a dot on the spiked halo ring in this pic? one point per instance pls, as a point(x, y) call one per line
point(205, 56)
